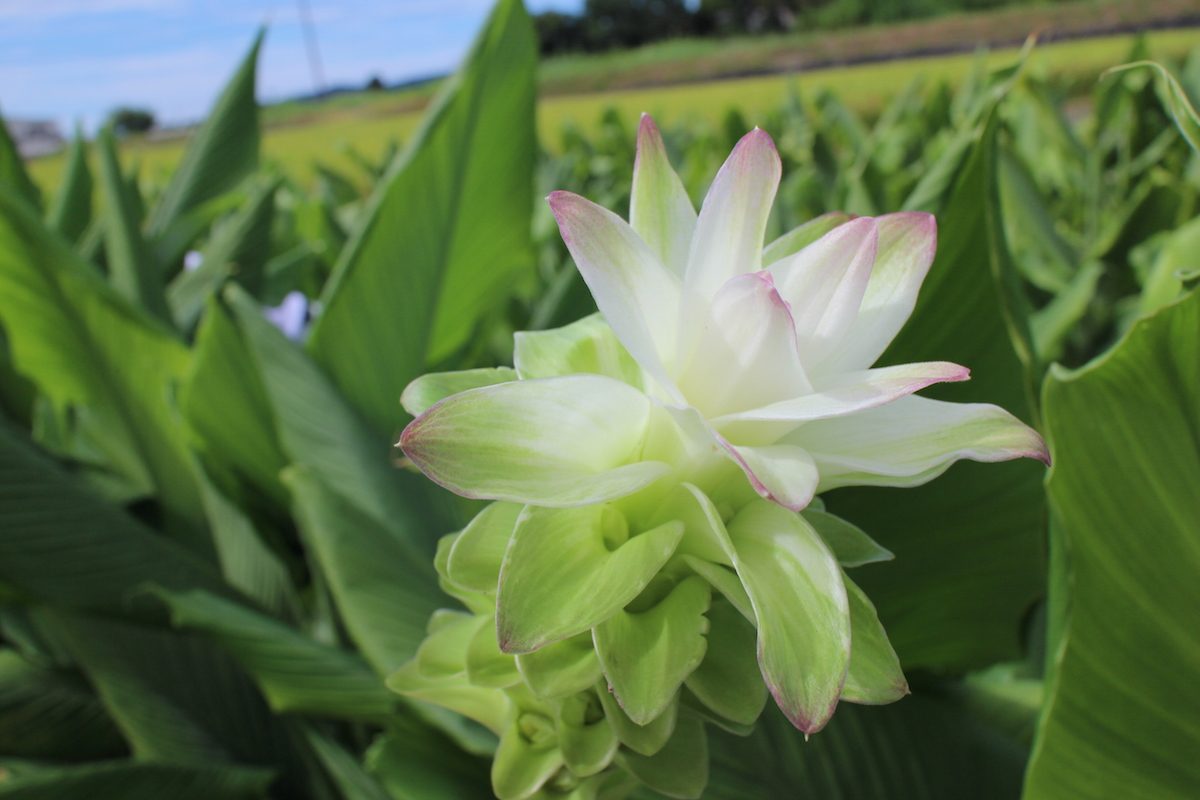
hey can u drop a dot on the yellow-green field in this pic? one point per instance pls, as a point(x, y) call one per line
point(368, 126)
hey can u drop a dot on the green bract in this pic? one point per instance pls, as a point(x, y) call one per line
point(654, 557)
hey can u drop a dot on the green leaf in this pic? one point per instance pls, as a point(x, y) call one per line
point(680, 768)
point(428, 389)
point(61, 543)
point(175, 697)
point(130, 780)
point(1123, 489)
point(227, 410)
point(294, 672)
point(728, 680)
point(384, 595)
point(1174, 98)
point(800, 603)
point(48, 712)
point(239, 249)
point(348, 775)
point(569, 569)
point(447, 232)
point(12, 170)
point(850, 545)
point(219, 155)
point(415, 763)
point(86, 348)
point(72, 210)
point(129, 267)
point(647, 654)
point(874, 676)
point(1058, 319)
point(918, 748)
point(973, 538)
point(1164, 283)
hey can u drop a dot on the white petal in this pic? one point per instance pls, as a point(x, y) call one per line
point(907, 243)
point(853, 392)
point(638, 296)
point(746, 352)
point(659, 208)
point(824, 284)
point(732, 224)
point(913, 440)
point(782, 473)
point(551, 442)
point(802, 236)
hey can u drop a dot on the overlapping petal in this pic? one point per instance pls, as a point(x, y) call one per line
point(659, 208)
point(913, 440)
point(637, 294)
point(553, 442)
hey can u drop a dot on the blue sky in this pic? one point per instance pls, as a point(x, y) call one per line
point(72, 60)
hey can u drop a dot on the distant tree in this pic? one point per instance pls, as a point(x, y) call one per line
point(126, 120)
point(558, 32)
point(629, 23)
point(750, 16)
point(375, 84)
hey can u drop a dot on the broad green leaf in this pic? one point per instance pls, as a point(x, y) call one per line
point(128, 258)
point(294, 672)
point(1164, 283)
point(874, 676)
point(1123, 492)
point(227, 410)
point(973, 538)
point(12, 170)
point(728, 680)
point(563, 668)
point(850, 545)
point(554, 442)
point(49, 712)
point(347, 773)
point(219, 155)
point(800, 603)
point(588, 345)
point(1054, 322)
point(247, 563)
point(86, 348)
point(428, 389)
point(567, 570)
point(917, 748)
point(680, 768)
point(383, 594)
point(175, 697)
point(239, 249)
point(61, 543)
point(134, 780)
point(648, 653)
point(447, 232)
point(72, 209)
point(416, 763)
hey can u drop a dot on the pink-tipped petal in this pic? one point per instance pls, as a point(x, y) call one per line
point(825, 283)
point(907, 244)
point(638, 296)
point(659, 208)
point(732, 222)
point(912, 440)
point(852, 392)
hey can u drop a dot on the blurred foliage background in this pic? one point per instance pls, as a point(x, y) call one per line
point(211, 559)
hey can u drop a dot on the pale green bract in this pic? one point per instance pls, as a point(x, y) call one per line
point(652, 559)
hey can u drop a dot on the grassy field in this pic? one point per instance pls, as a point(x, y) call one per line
point(368, 123)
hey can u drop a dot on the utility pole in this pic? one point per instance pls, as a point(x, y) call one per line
point(310, 44)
